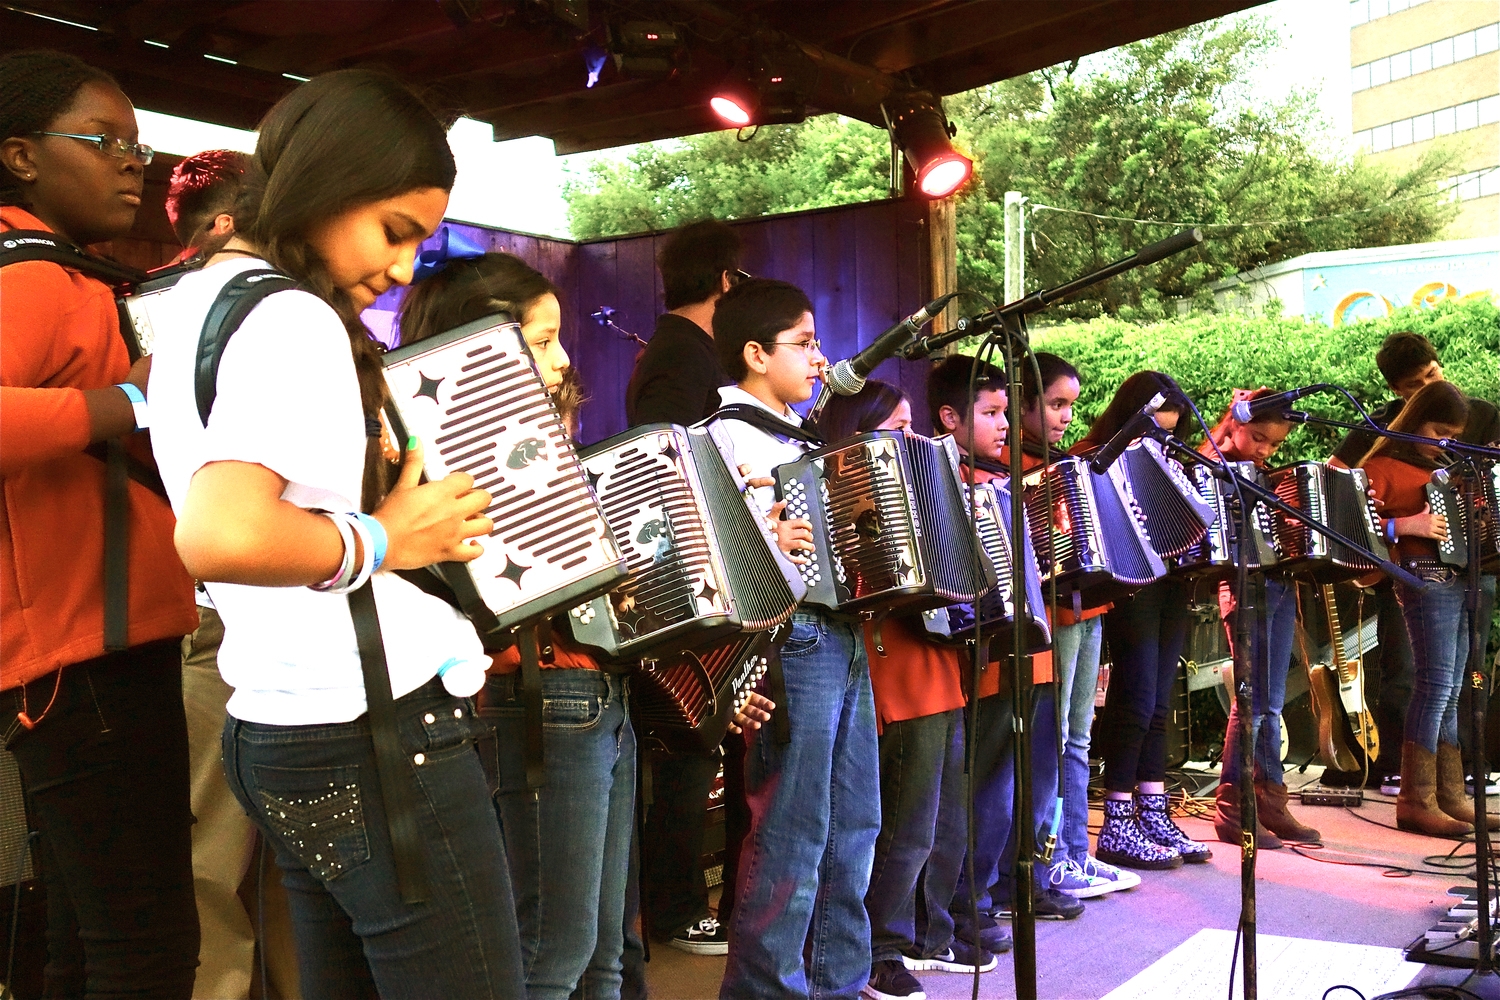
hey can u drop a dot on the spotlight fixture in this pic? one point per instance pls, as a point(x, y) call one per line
point(918, 125)
point(648, 48)
point(771, 91)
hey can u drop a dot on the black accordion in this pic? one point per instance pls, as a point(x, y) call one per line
point(1213, 557)
point(701, 567)
point(474, 397)
point(996, 611)
point(1443, 497)
point(685, 701)
point(1088, 534)
point(1176, 516)
point(890, 526)
point(1337, 499)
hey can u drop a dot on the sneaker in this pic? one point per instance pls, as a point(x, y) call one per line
point(1391, 785)
point(1068, 878)
point(1050, 905)
point(960, 957)
point(889, 980)
point(706, 937)
point(1119, 879)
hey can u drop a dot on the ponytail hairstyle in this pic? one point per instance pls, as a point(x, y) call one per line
point(37, 85)
point(1134, 393)
point(845, 416)
point(1434, 403)
point(339, 141)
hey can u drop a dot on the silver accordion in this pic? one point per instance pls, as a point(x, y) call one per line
point(474, 397)
point(1443, 496)
point(1214, 555)
point(996, 611)
point(890, 526)
point(1176, 517)
point(701, 567)
point(1336, 498)
point(1087, 531)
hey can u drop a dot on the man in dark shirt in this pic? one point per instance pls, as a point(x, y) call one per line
point(1407, 361)
point(677, 377)
point(676, 380)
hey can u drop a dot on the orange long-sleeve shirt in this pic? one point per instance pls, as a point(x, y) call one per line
point(910, 676)
point(60, 335)
point(1399, 492)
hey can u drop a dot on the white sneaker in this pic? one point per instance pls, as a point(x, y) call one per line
point(1067, 877)
point(1118, 879)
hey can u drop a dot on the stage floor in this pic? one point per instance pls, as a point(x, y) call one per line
point(1123, 934)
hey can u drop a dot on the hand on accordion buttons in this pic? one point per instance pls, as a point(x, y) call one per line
point(1423, 525)
point(756, 712)
point(428, 523)
point(792, 537)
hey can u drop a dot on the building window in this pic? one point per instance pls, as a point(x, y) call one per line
point(1426, 57)
point(1361, 11)
point(1420, 128)
point(1474, 184)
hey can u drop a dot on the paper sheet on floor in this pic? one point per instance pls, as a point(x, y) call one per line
point(1289, 969)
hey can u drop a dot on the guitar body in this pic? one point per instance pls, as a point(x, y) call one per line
point(1333, 742)
point(1347, 737)
point(1357, 714)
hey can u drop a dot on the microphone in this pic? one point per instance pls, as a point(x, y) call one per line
point(848, 377)
point(1134, 428)
point(1247, 410)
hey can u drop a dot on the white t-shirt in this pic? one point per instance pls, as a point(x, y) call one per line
point(759, 450)
point(288, 399)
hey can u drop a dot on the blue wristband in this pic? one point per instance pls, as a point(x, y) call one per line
point(377, 532)
point(137, 404)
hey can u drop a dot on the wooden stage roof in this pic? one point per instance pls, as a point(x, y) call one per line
point(521, 64)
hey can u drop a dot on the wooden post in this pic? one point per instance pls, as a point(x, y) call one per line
point(942, 256)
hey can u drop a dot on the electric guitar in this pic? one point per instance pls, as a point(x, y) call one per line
point(1344, 675)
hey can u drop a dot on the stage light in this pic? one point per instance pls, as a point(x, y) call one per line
point(922, 131)
point(770, 91)
point(735, 102)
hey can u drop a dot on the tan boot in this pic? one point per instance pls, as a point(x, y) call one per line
point(1271, 809)
point(1416, 807)
point(1227, 820)
point(1450, 787)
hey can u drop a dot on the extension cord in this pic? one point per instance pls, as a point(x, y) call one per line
point(1324, 796)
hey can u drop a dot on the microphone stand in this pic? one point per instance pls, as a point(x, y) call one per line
point(1245, 606)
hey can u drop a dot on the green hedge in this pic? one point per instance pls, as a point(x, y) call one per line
point(1210, 355)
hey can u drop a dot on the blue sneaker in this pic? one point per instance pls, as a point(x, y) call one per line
point(1118, 878)
point(1067, 877)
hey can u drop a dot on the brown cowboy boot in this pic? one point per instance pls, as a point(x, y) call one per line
point(1416, 807)
point(1450, 788)
point(1271, 808)
point(1227, 820)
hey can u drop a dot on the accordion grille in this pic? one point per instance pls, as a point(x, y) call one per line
point(872, 530)
point(1065, 533)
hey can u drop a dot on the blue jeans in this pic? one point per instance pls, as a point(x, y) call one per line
point(355, 936)
point(1044, 782)
point(1075, 657)
point(568, 842)
point(815, 813)
point(1269, 663)
point(1438, 620)
point(933, 928)
point(994, 793)
point(915, 756)
point(1146, 632)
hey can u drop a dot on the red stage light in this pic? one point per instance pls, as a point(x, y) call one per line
point(730, 109)
point(917, 122)
point(943, 176)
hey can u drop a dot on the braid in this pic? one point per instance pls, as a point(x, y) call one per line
point(37, 85)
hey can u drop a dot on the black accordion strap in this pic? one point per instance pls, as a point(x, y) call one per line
point(776, 691)
point(531, 703)
point(116, 547)
point(397, 789)
point(768, 422)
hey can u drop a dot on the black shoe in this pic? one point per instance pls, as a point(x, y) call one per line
point(706, 937)
point(961, 957)
point(890, 981)
point(1050, 905)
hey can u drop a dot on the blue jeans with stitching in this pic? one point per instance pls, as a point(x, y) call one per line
point(799, 927)
point(1075, 656)
point(314, 793)
point(1438, 620)
point(1270, 663)
point(568, 842)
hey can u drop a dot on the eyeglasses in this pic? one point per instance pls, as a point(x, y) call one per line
point(111, 145)
point(805, 346)
point(737, 275)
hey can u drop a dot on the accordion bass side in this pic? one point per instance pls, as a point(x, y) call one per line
point(701, 569)
point(1443, 496)
point(1336, 498)
point(474, 397)
point(1176, 516)
point(686, 700)
point(995, 611)
point(1091, 538)
point(1214, 555)
point(890, 526)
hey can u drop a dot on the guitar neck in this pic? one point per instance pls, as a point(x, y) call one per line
point(1335, 632)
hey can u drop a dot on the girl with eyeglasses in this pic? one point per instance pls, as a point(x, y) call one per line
point(99, 732)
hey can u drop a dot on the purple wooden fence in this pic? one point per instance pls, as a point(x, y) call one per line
point(863, 266)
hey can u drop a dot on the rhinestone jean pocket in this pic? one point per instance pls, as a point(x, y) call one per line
point(318, 814)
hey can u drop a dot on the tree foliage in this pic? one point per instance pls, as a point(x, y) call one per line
point(1160, 129)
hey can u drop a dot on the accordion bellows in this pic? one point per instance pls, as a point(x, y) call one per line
point(890, 526)
point(474, 397)
point(700, 567)
point(1214, 556)
point(1176, 517)
point(1333, 497)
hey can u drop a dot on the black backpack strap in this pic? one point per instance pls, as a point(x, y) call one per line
point(766, 421)
point(17, 245)
point(239, 295)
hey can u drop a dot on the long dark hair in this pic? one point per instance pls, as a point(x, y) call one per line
point(1435, 403)
point(36, 86)
point(1134, 393)
point(845, 416)
point(342, 140)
